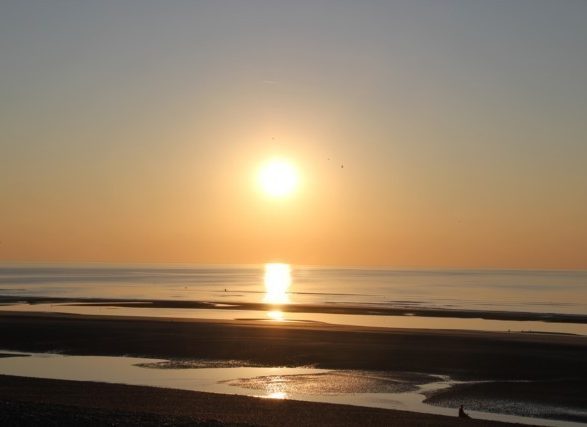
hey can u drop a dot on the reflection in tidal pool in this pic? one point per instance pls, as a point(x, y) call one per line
point(393, 390)
point(336, 382)
point(277, 395)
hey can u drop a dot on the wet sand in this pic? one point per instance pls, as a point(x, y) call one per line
point(460, 354)
point(36, 402)
point(540, 358)
point(371, 310)
point(544, 399)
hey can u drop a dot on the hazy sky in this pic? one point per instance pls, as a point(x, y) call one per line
point(132, 131)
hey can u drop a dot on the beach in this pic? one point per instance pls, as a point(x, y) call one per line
point(553, 362)
point(36, 402)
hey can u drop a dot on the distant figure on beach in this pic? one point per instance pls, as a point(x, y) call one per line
point(462, 413)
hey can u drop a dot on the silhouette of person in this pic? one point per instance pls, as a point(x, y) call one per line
point(462, 413)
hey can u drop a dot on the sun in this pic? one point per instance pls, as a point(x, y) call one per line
point(278, 178)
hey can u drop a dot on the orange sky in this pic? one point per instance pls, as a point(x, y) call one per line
point(461, 128)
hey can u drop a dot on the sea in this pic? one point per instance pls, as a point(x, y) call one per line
point(281, 286)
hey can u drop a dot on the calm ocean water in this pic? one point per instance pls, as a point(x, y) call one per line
point(509, 290)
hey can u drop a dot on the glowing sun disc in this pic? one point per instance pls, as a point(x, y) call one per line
point(278, 178)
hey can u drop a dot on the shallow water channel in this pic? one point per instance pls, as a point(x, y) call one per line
point(392, 390)
point(275, 316)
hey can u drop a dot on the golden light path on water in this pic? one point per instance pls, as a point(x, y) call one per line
point(276, 315)
point(277, 280)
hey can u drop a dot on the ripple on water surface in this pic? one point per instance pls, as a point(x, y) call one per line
point(336, 382)
point(197, 364)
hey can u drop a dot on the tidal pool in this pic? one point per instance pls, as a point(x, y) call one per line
point(391, 390)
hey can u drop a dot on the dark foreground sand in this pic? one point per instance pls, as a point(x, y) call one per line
point(36, 402)
point(543, 359)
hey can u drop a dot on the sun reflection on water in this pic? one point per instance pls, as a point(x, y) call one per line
point(277, 281)
point(277, 395)
point(276, 315)
point(276, 387)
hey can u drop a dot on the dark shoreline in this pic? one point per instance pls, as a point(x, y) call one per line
point(372, 310)
point(541, 399)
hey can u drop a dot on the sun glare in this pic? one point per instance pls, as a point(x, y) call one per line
point(278, 178)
